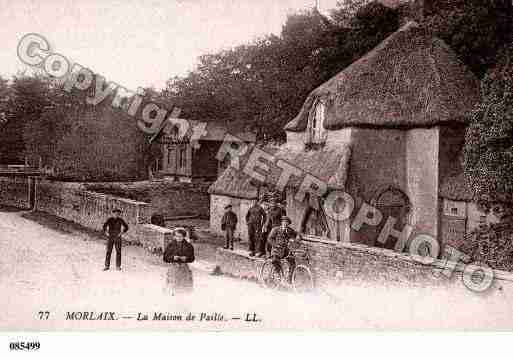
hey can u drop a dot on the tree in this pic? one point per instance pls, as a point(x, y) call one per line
point(27, 99)
point(262, 85)
point(5, 95)
point(488, 156)
point(360, 26)
point(346, 10)
point(76, 141)
point(475, 29)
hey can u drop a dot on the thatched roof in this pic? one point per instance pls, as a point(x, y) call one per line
point(410, 80)
point(329, 165)
point(234, 183)
point(213, 131)
point(455, 188)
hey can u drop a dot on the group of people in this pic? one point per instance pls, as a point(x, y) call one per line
point(269, 231)
point(260, 223)
point(269, 234)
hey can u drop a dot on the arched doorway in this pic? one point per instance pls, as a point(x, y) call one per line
point(392, 202)
point(314, 221)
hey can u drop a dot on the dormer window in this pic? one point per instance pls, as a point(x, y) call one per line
point(316, 130)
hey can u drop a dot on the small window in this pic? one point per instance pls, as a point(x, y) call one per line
point(183, 158)
point(170, 153)
point(455, 209)
point(316, 126)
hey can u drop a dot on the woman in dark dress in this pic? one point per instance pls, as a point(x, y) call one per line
point(178, 253)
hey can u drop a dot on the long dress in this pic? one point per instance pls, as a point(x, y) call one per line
point(179, 276)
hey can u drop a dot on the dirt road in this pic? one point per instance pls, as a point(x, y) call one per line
point(45, 270)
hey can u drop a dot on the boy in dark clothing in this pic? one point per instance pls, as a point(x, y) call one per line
point(255, 219)
point(228, 224)
point(112, 229)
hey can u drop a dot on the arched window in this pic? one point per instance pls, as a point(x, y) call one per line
point(392, 202)
point(316, 124)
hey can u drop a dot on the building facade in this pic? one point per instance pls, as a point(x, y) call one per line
point(187, 160)
point(388, 130)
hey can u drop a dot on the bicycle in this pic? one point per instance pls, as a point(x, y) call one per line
point(302, 280)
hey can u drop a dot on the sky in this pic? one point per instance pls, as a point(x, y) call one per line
point(144, 42)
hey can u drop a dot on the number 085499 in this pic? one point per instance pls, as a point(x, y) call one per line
point(28, 346)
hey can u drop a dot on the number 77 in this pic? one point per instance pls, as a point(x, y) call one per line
point(44, 315)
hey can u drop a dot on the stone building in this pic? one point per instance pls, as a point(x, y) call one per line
point(460, 215)
point(188, 160)
point(388, 130)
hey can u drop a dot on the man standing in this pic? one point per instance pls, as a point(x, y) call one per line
point(279, 242)
point(274, 214)
point(255, 219)
point(228, 224)
point(112, 229)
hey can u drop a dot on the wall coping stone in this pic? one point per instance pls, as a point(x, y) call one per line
point(241, 253)
point(439, 263)
point(156, 228)
point(121, 199)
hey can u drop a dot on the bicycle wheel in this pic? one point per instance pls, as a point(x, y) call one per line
point(260, 270)
point(302, 279)
point(271, 276)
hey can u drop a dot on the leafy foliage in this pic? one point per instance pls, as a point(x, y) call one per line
point(24, 102)
point(58, 130)
point(489, 140)
point(261, 86)
point(474, 29)
point(492, 245)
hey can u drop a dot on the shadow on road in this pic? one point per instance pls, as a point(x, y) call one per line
point(61, 225)
point(4, 208)
point(205, 247)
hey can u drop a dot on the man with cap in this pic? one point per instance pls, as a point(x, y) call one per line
point(255, 219)
point(228, 224)
point(112, 228)
point(279, 242)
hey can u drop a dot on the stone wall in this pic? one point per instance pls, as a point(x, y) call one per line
point(423, 169)
point(154, 238)
point(166, 197)
point(378, 162)
point(238, 264)
point(72, 202)
point(14, 191)
point(181, 199)
point(359, 262)
point(332, 263)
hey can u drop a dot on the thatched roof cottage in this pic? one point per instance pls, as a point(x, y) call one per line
point(389, 130)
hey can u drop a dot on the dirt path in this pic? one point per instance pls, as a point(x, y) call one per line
point(43, 269)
